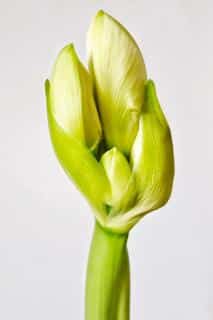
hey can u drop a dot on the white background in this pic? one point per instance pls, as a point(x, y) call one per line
point(45, 224)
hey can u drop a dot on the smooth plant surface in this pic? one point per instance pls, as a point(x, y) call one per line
point(108, 129)
point(112, 139)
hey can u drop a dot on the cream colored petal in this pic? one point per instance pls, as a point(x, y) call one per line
point(118, 70)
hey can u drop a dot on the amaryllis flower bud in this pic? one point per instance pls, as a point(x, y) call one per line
point(113, 140)
point(123, 162)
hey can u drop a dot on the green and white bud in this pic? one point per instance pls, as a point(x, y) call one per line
point(72, 101)
point(119, 74)
point(123, 164)
point(122, 182)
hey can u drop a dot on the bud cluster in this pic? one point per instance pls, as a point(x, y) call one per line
point(108, 129)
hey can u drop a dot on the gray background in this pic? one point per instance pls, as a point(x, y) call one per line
point(45, 224)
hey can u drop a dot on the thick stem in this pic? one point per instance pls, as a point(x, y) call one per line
point(107, 285)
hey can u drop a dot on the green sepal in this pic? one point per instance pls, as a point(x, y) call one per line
point(152, 154)
point(152, 163)
point(79, 163)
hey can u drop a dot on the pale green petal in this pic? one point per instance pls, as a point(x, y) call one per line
point(72, 99)
point(123, 189)
point(79, 164)
point(118, 69)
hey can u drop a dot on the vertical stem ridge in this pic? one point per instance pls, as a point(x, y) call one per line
point(123, 307)
point(107, 284)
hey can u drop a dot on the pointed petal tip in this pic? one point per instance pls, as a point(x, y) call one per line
point(150, 92)
point(103, 14)
point(100, 13)
point(152, 103)
point(110, 154)
point(69, 46)
point(47, 95)
point(150, 89)
point(70, 50)
point(150, 83)
point(46, 85)
point(47, 90)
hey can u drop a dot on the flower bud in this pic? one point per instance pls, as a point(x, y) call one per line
point(119, 74)
point(128, 170)
point(123, 189)
point(72, 101)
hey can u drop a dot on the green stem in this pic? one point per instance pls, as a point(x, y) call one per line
point(107, 285)
point(123, 307)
